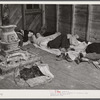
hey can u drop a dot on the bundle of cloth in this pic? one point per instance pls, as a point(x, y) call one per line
point(92, 54)
point(76, 47)
point(82, 51)
point(32, 75)
point(24, 37)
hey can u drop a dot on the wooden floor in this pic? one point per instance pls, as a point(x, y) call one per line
point(66, 75)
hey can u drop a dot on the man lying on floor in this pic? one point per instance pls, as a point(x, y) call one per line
point(51, 43)
point(55, 41)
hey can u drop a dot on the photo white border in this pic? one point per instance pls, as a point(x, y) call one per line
point(51, 94)
point(50, 2)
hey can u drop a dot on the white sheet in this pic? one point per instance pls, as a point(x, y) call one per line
point(52, 51)
point(78, 48)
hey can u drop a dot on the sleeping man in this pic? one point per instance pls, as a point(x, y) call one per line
point(55, 41)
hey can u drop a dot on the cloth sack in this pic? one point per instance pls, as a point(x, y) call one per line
point(44, 68)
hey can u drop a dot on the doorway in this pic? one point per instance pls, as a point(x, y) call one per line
point(32, 17)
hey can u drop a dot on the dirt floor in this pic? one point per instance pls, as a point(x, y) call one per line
point(67, 75)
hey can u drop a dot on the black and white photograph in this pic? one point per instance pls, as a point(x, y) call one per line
point(49, 47)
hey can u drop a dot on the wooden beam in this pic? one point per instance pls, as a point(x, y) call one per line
point(73, 19)
point(88, 24)
point(31, 11)
point(57, 21)
point(23, 17)
point(1, 14)
point(43, 16)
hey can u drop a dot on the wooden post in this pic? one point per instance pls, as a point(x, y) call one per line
point(73, 19)
point(43, 16)
point(23, 17)
point(5, 14)
point(41, 8)
point(57, 21)
point(88, 26)
point(2, 14)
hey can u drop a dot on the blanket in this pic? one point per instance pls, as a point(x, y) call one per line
point(77, 49)
point(52, 51)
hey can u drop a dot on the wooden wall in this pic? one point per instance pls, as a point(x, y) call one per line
point(94, 23)
point(15, 15)
point(80, 20)
point(28, 20)
point(83, 20)
point(50, 18)
point(0, 20)
point(0, 16)
point(33, 22)
point(64, 19)
point(33, 19)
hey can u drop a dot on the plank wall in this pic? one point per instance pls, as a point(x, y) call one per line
point(83, 20)
point(64, 18)
point(16, 15)
point(80, 20)
point(0, 16)
point(29, 20)
point(50, 18)
point(94, 23)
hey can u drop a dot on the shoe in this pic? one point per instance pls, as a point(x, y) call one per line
point(61, 57)
point(1, 71)
point(68, 58)
point(77, 60)
point(81, 55)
